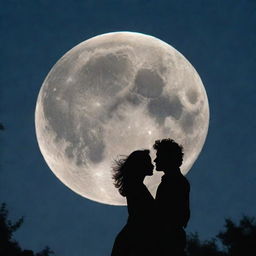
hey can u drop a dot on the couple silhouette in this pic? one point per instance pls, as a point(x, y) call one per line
point(155, 226)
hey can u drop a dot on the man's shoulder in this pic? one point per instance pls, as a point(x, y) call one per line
point(180, 180)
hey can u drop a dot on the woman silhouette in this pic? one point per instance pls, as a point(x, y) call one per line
point(129, 174)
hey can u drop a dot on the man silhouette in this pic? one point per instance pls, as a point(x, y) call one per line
point(172, 199)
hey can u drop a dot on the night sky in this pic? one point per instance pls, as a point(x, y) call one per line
point(218, 37)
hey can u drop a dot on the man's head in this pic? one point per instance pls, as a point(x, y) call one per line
point(169, 155)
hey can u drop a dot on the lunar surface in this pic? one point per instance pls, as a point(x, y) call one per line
point(111, 95)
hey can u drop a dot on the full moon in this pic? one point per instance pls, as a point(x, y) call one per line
point(111, 95)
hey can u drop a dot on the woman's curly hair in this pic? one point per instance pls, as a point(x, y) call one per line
point(125, 168)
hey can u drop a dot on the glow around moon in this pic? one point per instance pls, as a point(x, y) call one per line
point(111, 95)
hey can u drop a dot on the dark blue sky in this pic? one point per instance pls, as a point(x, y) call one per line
point(218, 37)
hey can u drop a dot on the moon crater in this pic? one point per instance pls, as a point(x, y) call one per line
point(148, 83)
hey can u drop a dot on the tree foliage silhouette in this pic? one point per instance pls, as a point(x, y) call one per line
point(236, 240)
point(206, 248)
point(1, 126)
point(9, 246)
point(239, 239)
